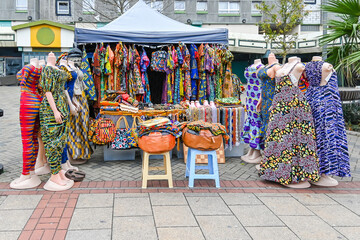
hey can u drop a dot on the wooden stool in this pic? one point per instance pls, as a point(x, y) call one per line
point(212, 166)
point(166, 168)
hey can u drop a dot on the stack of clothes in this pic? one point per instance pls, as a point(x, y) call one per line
point(162, 125)
point(215, 128)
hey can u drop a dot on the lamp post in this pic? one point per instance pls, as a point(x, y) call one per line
point(1, 166)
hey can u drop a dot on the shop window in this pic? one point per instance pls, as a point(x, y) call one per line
point(310, 28)
point(179, 5)
point(21, 5)
point(158, 5)
point(254, 11)
point(232, 8)
point(88, 6)
point(310, 1)
point(63, 7)
point(201, 6)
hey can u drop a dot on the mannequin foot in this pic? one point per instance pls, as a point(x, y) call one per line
point(326, 181)
point(257, 166)
point(63, 177)
point(53, 184)
point(304, 184)
point(25, 182)
point(45, 169)
point(71, 167)
point(256, 160)
point(78, 161)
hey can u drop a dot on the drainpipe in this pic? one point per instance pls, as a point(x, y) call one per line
point(324, 19)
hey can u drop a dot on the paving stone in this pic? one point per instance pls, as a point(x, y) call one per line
point(2, 198)
point(104, 234)
point(222, 227)
point(14, 220)
point(180, 233)
point(195, 194)
point(272, 194)
point(313, 199)
point(91, 218)
point(10, 235)
point(351, 201)
point(167, 199)
point(208, 206)
point(285, 206)
point(351, 233)
point(271, 233)
point(174, 216)
point(95, 200)
point(336, 215)
point(132, 207)
point(240, 199)
point(258, 215)
point(134, 228)
point(131, 195)
point(21, 202)
point(311, 227)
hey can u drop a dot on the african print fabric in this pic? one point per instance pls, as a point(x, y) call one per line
point(88, 80)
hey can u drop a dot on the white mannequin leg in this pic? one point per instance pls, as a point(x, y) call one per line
point(26, 182)
point(304, 184)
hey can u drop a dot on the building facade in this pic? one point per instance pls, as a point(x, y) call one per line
point(239, 16)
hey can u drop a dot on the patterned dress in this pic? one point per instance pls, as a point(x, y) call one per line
point(79, 147)
point(251, 132)
point(290, 147)
point(267, 95)
point(331, 139)
point(54, 135)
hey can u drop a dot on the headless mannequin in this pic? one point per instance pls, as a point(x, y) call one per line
point(59, 178)
point(253, 155)
point(295, 76)
point(327, 69)
point(30, 180)
point(42, 62)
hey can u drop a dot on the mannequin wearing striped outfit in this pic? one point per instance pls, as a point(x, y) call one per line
point(30, 100)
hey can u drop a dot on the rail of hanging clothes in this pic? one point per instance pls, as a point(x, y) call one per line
point(189, 72)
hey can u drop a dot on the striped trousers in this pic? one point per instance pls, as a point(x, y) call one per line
point(29, 124)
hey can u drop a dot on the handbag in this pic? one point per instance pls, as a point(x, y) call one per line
point(132, 136)
point(101, 131)
point(202, 140)
point(157, 142)
point(158, 61)
point(121, 137)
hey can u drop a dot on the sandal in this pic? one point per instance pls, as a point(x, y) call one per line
point(77, 176)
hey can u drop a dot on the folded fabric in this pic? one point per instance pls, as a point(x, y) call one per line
point(109, 103)
point(109, 108)
point(127, 108)
point(215, 128)
point(228, 101)
point(154, 122)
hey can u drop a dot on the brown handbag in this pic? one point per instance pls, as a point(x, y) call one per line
point(157, 143)
point(205, 141)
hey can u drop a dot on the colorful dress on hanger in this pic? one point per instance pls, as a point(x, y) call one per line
point(90, 90)
point(332, 147)
point(290, 147)
point(30, 100)
point(267, 95)
point(144, 64)
point(77, 141)
point(54, 135)
point(251, 132)
point(97, 76)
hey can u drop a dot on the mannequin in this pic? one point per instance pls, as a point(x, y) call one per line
point(214, 111)
point(206, 103)
point(42, 62)
point(324, 99)
point(290, 153)
point(53, 110)
point(79, 150)
point(251, 132)
point(267, 77)
point(30, 100)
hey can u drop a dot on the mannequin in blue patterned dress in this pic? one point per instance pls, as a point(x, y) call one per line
point(251, 131)
point(324, 99)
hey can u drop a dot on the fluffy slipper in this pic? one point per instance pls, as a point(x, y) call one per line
point(77, 176)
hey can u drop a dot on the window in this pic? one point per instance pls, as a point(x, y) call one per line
point(254, 10)
point(158, 5)
point(88, 6)
point(21, 5)
point(179, 5)
point(310, 28)
point(201, 6)
point(310, 1)
point(229, 7)
point(63, 7)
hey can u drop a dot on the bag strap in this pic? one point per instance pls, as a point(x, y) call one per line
point(119, 121)
point(134, 125)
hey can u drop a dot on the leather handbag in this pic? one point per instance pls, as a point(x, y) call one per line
point(156, 142)
point(202, 140)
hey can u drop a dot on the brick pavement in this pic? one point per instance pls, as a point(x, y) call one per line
point(98, 170)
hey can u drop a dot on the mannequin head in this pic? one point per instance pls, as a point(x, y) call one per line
point(34, 62)
point(75, 55)
point(51, 59)
point(257, 61)
point(316, 58)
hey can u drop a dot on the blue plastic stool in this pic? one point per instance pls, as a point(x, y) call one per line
point(212, 167)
